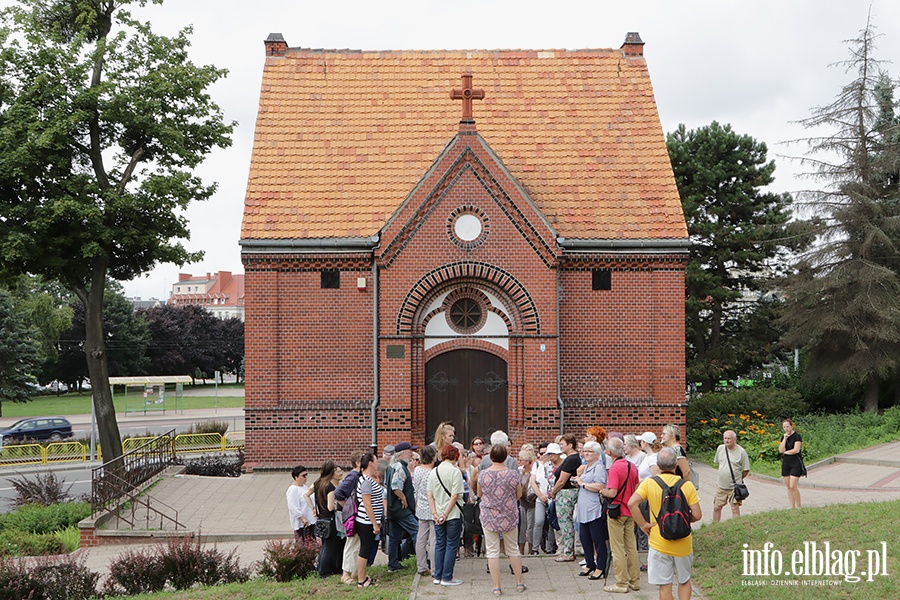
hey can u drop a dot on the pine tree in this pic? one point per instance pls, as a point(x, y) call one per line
point(19, 353)
point(844, 298)
point(737, 233)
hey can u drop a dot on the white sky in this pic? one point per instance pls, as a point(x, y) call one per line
point(758, 65)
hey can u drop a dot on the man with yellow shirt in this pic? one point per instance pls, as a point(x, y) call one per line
point(667, 560)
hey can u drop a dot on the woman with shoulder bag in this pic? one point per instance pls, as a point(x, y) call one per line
point(332, 550)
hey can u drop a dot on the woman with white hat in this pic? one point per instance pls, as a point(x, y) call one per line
point(650, 446)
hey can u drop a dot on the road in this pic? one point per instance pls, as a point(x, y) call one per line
point(80, 478)
point(134, 425)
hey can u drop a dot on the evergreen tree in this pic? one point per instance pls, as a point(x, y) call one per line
point(738, 233)
point(19, 354)
point(844, 298)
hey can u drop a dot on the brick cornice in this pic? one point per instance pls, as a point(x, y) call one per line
point(306, 262)
point(623, 262)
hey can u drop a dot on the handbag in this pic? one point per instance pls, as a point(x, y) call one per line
point(613, 510)
point(552, 518)
point(324, 528)
point(802, 465)
point(740, 490)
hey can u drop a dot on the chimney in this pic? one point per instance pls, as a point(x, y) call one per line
point(224, 280)
point(633, 45)
point(184, 276)
point(275, 45)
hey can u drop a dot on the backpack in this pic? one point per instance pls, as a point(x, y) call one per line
point(348, 514)
point(674, 517)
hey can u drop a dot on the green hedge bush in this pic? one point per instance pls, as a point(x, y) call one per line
point(35, 518)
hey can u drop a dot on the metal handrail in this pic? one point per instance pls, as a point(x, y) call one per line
point(120, 477)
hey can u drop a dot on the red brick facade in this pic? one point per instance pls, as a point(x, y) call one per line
point(321, 361)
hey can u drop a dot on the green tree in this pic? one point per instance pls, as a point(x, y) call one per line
point(102, 123)
point(46, 307)
point(844, 298)
point(738, 233)
point(19, 353)
point(127, 336)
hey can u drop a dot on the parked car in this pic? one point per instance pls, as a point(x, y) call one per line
point(54, 429)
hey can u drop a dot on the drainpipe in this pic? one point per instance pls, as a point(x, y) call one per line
point(559, 402)
point(376, 396)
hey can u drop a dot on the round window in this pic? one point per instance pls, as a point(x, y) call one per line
point(465, 313)
point(467, 227)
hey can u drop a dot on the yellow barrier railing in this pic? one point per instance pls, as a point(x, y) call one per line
point(22, 454)
point(129, 444)
point(197, 442)
point(57, 452)
point(233, 440)
point(65, 452)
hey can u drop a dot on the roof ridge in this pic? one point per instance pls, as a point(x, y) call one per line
point(447, 50)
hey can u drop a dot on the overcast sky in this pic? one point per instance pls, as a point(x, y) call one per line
point(758, 65)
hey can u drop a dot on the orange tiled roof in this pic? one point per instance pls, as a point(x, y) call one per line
point(343, 136)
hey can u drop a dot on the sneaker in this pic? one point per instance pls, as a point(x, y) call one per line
point(436, 582)
point(452, 582)
point(582, 563)
point(614, 589)
point(394, 569)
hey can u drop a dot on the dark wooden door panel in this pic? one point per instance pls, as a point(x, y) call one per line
point(468, 387)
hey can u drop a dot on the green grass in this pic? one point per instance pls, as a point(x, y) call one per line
point(718, 547)
point(391, 586)
point(827, 435)
point(80, 404)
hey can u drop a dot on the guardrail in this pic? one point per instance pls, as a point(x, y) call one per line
point(61, 452)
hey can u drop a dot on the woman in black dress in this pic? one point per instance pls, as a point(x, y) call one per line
point(791, 461)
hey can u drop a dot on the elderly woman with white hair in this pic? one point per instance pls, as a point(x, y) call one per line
point(593, 529)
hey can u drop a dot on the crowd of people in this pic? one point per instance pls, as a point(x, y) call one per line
point(445, 501)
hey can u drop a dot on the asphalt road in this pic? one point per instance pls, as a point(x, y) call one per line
point(79, 478)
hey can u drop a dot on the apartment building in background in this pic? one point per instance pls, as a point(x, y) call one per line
point(220, 293)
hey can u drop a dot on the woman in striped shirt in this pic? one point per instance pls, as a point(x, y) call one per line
point(370, 499)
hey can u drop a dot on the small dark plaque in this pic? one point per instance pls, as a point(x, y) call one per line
point(396, 351)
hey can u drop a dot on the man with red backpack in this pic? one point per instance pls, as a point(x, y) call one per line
point(673, 506)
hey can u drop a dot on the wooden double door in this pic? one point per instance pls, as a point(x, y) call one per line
point(469, 388)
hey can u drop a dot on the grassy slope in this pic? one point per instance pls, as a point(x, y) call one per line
point(718, 559)
point(80, 404)
point(391, 586)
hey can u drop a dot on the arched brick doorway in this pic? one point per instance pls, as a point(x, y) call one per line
point(470, 388)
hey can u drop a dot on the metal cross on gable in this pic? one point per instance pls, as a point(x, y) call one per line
point(467, 94)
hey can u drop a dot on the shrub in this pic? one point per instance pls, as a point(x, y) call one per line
point(775, 403)
point(135, 572)
point(285, 560)
point(225, 465)
point(22, 543)
point(15, 581)
point(70, 537)
point(45, 519)
point(186, 562)
point(65, 577)
point(219, 427)
point(757, 434)
point(45, 489)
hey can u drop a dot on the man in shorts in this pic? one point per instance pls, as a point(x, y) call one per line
point(668, 561)
point(731, 452)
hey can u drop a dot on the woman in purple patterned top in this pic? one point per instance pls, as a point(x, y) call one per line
point(499, 489)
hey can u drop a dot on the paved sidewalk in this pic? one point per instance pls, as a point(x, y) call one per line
point(244, 512)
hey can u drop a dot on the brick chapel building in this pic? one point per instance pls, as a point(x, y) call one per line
point(489, 237)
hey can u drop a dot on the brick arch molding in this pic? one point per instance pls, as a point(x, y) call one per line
point(465, 344)
point(527, 318)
